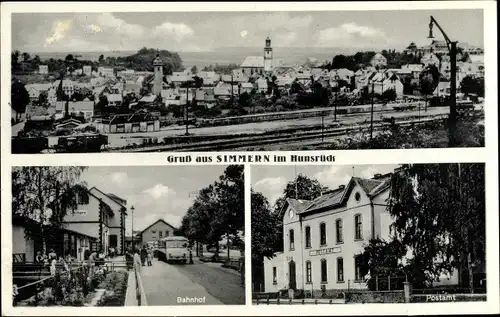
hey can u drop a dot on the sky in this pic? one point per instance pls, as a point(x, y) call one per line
point(156, 192)
point(207, 31)
point(271, 180)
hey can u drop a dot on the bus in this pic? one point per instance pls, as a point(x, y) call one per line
point(174, 249)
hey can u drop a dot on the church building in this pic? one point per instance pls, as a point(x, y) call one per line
point(259, 65)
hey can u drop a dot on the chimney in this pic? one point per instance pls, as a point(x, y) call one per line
point(378, 175)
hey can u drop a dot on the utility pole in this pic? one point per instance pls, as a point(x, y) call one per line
point(187, 109)
point(371, 112)
point(452, 48)
point(232, 92)
point(322, 126)
point(335, 105)
point(133, 242)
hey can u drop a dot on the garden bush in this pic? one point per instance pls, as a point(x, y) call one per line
point(115, 285)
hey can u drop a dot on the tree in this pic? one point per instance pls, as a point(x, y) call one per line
point(15, 60)
point(26, 57)
point(342, 61)
point(244, 99)
point(439, 212)
point(43, 98)
point(194, 70)
point(101, 105)
point(19, 98)
point(267, 239)
point(69, 58)
point(472, 85)
point(231, 193)
point(429, 80)
point(389, 95)
point(296, 87)
point(36, 61)
point(218, 210)
point(381, 260)
point(101, 58)
point(302, 187)
point(45, 194)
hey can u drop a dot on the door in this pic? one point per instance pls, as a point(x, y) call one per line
point(113, 241)
point(291, 275)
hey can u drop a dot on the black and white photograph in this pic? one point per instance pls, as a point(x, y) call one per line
point(246, 80)
point(338, 234)
point(128, 236)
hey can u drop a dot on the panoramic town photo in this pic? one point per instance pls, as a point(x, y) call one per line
point(128, 236)
point(246, 81)
point(330, 234)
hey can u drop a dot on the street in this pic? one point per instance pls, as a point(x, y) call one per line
point(169, 284)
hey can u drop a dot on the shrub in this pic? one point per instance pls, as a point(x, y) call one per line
point(116, 288)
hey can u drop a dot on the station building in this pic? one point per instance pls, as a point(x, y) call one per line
point(323, 237)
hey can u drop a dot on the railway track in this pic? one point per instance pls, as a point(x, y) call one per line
point(277, 138)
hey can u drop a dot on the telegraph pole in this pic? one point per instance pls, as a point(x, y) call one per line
point(133, 242)
point(371, 112)
point(322, 126)
point(187, 109)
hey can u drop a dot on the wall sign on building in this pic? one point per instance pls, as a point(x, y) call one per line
point(325, 251)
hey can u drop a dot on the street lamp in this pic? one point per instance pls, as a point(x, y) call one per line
point(452, 48)
point(133, 244)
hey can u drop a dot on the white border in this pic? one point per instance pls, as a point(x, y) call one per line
point(489, 155)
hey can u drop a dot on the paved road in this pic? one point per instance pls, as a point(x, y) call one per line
point(165, 283)
point(222, 283)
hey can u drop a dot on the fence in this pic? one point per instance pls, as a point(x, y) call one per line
point(388, 289)
point(139, 287)
point(278, 301)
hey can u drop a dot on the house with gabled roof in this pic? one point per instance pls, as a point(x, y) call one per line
point(156, 231)
point(101, 216)
point(97, 223)
point(322, 238)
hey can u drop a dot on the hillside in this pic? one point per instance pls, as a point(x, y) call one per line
point(143, 60)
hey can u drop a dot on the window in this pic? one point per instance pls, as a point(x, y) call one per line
point(275, 279)
point(153, 231)
point(324, 276)
point(82, 199)
point(340, 270)
point(357, 196)
point(338, 231)
point(358, 227)
point(308, 237)
point(308, 272)
point(167, 233)
point(322, 233)
point(160, 233)
point(292, 240)
point(357, 269)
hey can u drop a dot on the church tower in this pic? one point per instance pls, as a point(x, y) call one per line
point(268, 56)
point(158, 80)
